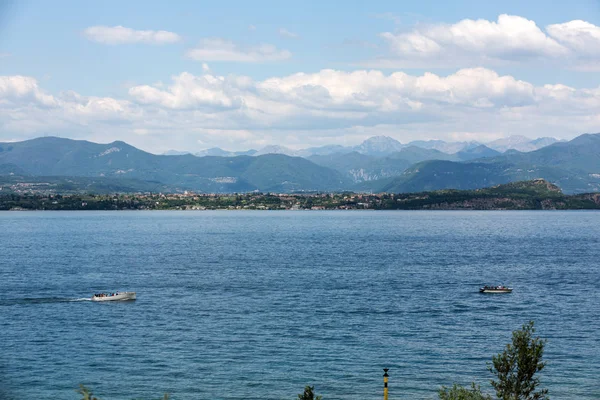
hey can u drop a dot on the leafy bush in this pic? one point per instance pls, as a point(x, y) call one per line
point(517, 366)
point(309, 394)
point(457, 392)
point(87, 394)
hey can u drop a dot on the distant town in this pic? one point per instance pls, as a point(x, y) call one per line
point(196, 201)
point(526, 195)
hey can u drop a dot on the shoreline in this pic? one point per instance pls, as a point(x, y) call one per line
point(304, 211)
point(526, 195)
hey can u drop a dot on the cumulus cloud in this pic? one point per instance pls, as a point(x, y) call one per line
point(301, 109)
point(583, 39)
point(510, 39)
point(19, 89)
point(341, 100)
point(580, 36)
point(121, 35)
point(26, 109)
point(217, 49)
point(189, 92)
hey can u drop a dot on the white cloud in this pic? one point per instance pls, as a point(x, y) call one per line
point(373, 90)
point(26, 109)
point(188, 92)
point(335, 103)
point(217, 49)
point(509, 40)
point(285, 33)
point(122, 35)
point(582, 37)
point(301, 109)
point(18, 89)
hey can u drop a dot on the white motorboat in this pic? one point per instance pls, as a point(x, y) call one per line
point(117, 296)
point(495, 289)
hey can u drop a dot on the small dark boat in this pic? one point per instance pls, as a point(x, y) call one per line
point(495, 289)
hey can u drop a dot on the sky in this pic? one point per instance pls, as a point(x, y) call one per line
point(190, 75)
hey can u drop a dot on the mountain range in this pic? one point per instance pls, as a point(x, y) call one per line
point(52, 156)
point(383, 145)
point(379, 164)
point(573, 166)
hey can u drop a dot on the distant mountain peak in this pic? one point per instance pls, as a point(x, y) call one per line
point(381, 139)
point(379, 145)
point(482, 149)
point(520, 143)
point(276, 149)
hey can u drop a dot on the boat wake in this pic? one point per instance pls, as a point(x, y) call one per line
point(41, 300)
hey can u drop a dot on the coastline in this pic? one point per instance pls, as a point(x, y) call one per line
point(526, 195)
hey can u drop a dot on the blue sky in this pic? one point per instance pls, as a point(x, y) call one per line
point(192, 75)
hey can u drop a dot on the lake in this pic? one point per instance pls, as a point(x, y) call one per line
point(252, 304)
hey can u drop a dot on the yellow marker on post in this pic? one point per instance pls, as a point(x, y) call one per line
point(385, 383)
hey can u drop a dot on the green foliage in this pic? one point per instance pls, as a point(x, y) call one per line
point(457, 392)
point(516, 367)
point(87, 394)
point(309, 394)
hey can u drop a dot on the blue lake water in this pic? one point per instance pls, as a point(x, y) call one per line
point(255, 305)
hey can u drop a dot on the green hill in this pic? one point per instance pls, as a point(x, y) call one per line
point(10, 169)
point(16, 184)
point(51, 156)
point(525, 195)
point(573, 166)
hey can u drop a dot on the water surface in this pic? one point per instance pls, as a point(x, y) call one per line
point(241, 305)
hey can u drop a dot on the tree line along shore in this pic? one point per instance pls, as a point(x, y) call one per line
point(525, 195)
